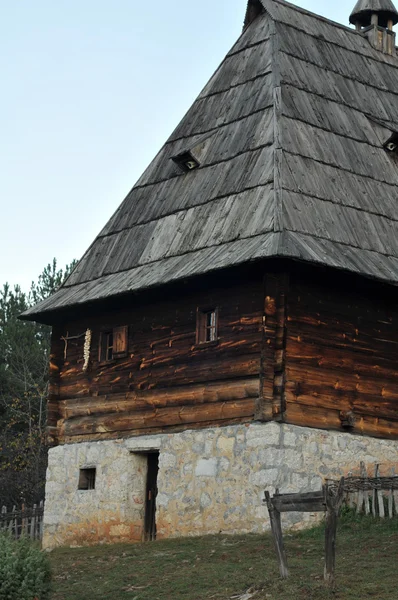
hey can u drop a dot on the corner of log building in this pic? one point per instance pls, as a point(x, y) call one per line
point(271, 405)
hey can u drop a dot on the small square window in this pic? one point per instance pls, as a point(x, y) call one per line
point(207, 326)
point(87, 479)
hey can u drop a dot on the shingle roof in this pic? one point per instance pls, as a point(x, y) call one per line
point(290, 131)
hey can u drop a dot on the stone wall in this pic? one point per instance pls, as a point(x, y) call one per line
point(209, 481)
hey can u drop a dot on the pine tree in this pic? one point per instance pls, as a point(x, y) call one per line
point(24, 355)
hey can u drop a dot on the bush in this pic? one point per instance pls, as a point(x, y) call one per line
point(24, 570)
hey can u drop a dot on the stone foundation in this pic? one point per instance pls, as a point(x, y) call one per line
point(210, 481)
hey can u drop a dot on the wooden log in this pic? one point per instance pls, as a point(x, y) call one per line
point(305, 502)
point(150, 399)
point(319, 417)
point(164, 417)
point(112, 435)
point(276, 527)
point(333, 505)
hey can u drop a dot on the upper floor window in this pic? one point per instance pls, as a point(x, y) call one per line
point(106, 346)
point(207, 325)
point(113, 343)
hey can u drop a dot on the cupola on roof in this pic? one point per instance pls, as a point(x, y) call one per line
point(364, 9)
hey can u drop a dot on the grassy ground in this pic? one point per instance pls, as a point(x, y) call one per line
point(220, 567)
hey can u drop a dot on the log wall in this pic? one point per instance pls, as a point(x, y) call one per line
point(342, 356)
point(302, 347)
point(166, 379)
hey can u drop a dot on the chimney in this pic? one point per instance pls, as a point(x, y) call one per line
point(375, 19)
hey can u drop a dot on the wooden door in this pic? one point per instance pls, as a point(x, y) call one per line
point(151, 493)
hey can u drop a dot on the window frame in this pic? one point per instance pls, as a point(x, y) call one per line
point(87, 479)
point(120, 338)
point(104, 346)
point(207, 335)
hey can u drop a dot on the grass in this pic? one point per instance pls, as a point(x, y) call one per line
point(223, 567)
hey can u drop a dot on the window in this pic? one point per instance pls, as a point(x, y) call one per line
point(207, 326)
point(87, 479)
point(106, 346)
point(113, 344)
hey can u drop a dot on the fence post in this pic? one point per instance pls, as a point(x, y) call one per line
point(41, 519)
point(4, 515)
point(32, 531)
point(361, 495)
point(276, 527)
point(380, 497)
point(333, 504)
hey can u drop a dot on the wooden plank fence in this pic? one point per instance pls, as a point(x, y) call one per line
point(26, 522)
point(374, 494)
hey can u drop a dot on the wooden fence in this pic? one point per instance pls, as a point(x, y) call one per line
point(26, 522)
point(372, 494)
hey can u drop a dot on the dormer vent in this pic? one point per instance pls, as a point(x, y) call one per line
point(392, 144)
point(191, 157)
point(186, 161)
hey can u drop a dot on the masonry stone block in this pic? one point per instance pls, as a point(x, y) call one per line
point(206, 467)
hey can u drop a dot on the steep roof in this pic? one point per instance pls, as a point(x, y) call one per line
point(289, 134)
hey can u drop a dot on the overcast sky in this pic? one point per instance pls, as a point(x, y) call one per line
point(90, 91)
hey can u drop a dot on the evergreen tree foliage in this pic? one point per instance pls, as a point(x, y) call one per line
point(24, 356)
point(24, 570)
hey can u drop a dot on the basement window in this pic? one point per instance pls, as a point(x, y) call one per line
point(186, 161)
point(113, 343)
point(87, 479)
point(206, 326)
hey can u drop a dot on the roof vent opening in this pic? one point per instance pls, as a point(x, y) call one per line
point(186, 162)
point(391, 144)
point(193, 156)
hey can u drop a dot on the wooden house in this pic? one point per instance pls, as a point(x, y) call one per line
point(234, 326)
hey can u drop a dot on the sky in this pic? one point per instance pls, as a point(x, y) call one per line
point(91, 89)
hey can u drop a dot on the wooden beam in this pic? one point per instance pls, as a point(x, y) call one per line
point(276, 526)
point(333, 505)
point(272, 402)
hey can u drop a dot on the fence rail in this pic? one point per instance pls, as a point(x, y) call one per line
point(374, 495)
point(26, 522)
